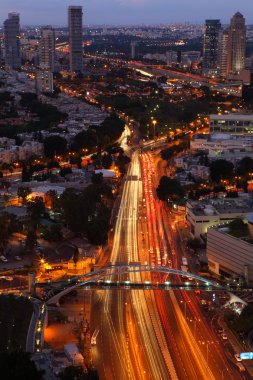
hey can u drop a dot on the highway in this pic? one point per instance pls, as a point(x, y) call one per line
point(153, 334)
point(196, 348)
point(128, 342)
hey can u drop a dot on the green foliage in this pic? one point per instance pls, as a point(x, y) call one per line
point(245, 166)
point(99, 136)
point(85, 211)
point(243, 322)
point(54, 146)
point(194, 243)
point(36, 209)
point(221, 169)
point(15, 315)
point(169, 188)
point(168, 153)
point(26, 174)
point(49, 115)
point(23, 192)
point(52, 233)
point(7, 227)
point(18, 366)
point(31, 239)
point(97, 179)
point(65, 171)
point(76, 373)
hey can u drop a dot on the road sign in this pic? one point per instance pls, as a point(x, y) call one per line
point(246, 355)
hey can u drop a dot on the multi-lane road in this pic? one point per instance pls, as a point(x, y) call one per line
point(146, 334)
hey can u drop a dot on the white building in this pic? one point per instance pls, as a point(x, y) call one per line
point(73, 354)
point(207, 213)
point(233, 123)
point(229, 254)
point(218, 145)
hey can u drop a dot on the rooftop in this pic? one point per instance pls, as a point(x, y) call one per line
point(210, 207)
point(232, 116)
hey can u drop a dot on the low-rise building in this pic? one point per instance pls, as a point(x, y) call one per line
point(217, 144)
point(73, 354)
point(230, 250)
point(207, 213)
point(233, 123)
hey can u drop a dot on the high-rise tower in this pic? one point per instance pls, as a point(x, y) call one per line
point(223, 53)
point(12, 41)
point(210, 51)
point(236, 44)
point(75, 23)
point(47, 48)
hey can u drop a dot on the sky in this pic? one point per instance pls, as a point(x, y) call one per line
point(126, 12)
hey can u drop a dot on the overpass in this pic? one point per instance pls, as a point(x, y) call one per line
point(104, 278)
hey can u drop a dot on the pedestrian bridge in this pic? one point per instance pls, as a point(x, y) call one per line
point(164, 278)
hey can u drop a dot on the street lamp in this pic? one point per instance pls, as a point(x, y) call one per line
point(154, 122)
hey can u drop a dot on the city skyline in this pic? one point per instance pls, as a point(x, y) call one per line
point(123, 12)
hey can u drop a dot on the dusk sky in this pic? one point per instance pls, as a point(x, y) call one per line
point(126, 11)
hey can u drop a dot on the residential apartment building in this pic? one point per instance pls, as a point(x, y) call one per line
point(75, 24)
point(210, 50)
point(12, 42)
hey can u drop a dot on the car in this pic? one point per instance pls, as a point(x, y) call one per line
point(224, 336)
point(3, 258)
point(18, 258)
point(237, 357)
point(241, 367)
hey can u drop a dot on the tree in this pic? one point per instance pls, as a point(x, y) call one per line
point(76, 373)
point(97, 178)
point(6, 229)
point(36, 209)
point(194, 243)
point(245, 166)
point(169, 188)
point(26, 175)
point(55, 145)
point(18, 366)
point(65, 171)
point(221, 169)
point(31, 239)
point(23, 192)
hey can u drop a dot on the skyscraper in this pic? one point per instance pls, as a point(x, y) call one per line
point(223, 53)
point(12, 41)
point(47, 48)
point(210, 53)
point(44, 74)
point(75, 23)
point(236, 44)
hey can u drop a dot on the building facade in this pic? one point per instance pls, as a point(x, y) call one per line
point(201, 215)
point(12, 42)
point(44, 80)
point(233, 124)
point(223, 53)
point(75, 24)
point(236, 44)
point(229, 255)
point(47, 48)
point(210, 51)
